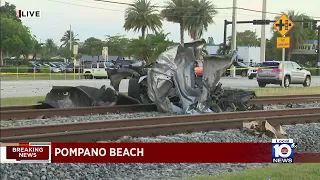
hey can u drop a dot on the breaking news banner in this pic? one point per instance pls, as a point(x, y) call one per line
point(102, 152)
point(33, 152)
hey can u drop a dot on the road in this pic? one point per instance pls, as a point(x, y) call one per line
point(42, 87)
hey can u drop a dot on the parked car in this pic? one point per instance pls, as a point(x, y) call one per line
point(241, 69)
point(271, 72)
point(252, 72)
point(53, 68)
point(126, 63)
point(33, 67)
point(60, 65)
point(109, 64)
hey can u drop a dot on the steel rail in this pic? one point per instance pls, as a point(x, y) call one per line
point(64, 127)
point(41, 112)
point(41, 106)
point(24, 107)
point(287, 100)
point(155, 126)
point(80, 111)
point(94, 135)
point(291, 96)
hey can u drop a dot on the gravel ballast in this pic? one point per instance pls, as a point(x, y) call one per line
point(75, 119)
point(306, 135)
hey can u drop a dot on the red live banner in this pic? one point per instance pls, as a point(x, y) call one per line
point(168, 153)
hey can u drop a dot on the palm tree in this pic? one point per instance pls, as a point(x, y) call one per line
point(176, 11)
point(50, 45)
point(66, 39)
point(297, 33)
point(141, 16)
point(200, 17)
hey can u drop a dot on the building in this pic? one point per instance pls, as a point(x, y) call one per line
point(92, 59)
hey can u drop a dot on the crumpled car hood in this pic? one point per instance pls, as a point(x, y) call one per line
point(84, 96)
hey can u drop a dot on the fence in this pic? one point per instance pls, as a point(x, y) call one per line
point(33, 73)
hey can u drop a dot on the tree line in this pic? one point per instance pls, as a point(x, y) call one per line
point(193, 17)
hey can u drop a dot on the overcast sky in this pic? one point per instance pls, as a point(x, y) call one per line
point(89, 18)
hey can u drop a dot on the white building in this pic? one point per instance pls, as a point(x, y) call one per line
point(246, 53)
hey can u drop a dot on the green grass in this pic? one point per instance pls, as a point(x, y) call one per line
point(279, 91)
point(53, 76)
point(273, 172)
point(13, 101)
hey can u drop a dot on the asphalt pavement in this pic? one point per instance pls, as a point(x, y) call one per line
point(42, 87)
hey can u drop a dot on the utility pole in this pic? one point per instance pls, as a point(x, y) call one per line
point(263, 33)
point(318, 51)
point(70, 38)
point(234, 35)
point(234, 23)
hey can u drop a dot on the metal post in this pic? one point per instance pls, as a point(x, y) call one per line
point(318, 70)
point(74, 67)
point(79, 71)
point(225, 37)
point(234, 35)
point(283, 59)
point(263, 33)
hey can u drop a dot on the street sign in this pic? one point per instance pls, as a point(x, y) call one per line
point(75, 49)
point(283, 25)
point(283, 42)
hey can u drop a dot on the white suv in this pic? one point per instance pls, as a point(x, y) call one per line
point(96, 70)
point(271, 72)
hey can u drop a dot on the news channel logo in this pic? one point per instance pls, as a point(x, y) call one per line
point(282, 150)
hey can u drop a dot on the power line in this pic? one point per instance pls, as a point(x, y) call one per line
point(85, 6)
point(129, 4)
point(252, 10)
point(227, 8)
point(94, 7)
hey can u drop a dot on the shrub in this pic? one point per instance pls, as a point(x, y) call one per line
point(45, 69)
point(14, 69)
point(313, 71)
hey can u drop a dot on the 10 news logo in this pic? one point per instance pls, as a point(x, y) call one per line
point(282, 150)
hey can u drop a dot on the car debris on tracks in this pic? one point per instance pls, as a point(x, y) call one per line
point(170, 83)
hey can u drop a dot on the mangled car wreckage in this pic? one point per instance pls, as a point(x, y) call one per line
point(169, 83)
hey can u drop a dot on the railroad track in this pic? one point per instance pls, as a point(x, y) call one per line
point(272, 100)
point(113, 129)
point(42, 111)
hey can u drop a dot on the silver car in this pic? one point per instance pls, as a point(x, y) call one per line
point(271, 72)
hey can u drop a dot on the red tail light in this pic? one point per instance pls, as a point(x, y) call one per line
point(276, 70)
point(259, 70)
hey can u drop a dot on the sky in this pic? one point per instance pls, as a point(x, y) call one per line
point(89, 18)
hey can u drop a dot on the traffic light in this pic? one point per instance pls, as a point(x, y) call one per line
point(261, 22)
point(305, 25)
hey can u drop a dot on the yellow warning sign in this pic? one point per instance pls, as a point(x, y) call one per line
point(283, 42)
point(283, 25)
